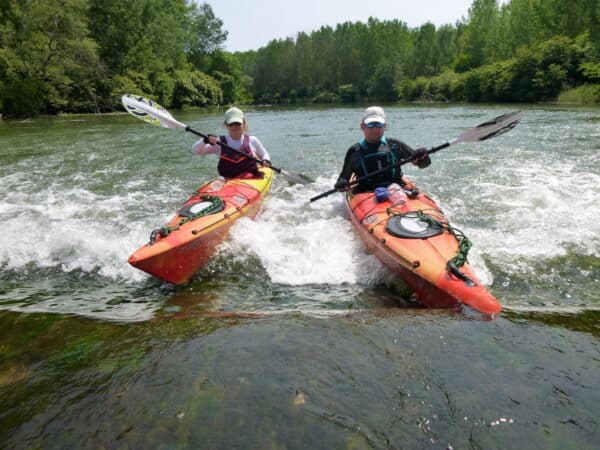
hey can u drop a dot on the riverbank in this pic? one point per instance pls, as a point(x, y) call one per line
point(588, 94)
point(576, 98)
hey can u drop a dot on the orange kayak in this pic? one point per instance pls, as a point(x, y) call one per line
point(414, 240)
point(178, 250)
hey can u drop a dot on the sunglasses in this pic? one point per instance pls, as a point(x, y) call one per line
point(234, 124)
point(375, 125)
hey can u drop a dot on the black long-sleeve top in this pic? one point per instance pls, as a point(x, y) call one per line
point(363, 155)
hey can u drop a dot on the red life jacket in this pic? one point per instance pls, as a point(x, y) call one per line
point(232, 164)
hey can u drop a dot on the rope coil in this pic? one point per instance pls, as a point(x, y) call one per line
point(464, 244)
point(216, 204)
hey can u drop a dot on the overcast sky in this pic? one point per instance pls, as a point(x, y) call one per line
point(251, 24)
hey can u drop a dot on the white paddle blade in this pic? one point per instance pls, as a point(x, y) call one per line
point(491, 128)
point(149, 111)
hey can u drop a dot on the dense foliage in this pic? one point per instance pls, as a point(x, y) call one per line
point(522, 50)
point(82, 55)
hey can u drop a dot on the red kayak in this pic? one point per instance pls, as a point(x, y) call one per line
point(414, 239)
point(178, 250)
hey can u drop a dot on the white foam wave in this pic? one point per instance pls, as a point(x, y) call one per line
point(540, 215)
point(73, 229)
point(300, 243)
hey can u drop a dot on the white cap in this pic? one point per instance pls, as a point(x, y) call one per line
point(373, 114)
point(233, 115)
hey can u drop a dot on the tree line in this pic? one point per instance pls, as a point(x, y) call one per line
point(69, 56)
point(522, 50)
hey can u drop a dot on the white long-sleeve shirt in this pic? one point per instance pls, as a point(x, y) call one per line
point(258, 150)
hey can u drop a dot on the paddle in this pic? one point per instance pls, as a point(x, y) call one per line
point(481, 132)
point(151, 112)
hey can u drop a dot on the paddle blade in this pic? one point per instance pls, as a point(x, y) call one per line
point(149, 111)
point(491, 128)
point(296, 178)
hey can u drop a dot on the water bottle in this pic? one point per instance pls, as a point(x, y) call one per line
point(396, 194)
point(216, 185)
point(381, 194)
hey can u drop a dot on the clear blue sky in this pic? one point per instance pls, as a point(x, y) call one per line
point(251, 24)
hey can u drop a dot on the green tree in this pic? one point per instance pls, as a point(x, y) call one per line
point(147, 41)
point(195, 88)
point(382, 83)
point(481, 33)
point(520, 30)
point(49, 62)
point(204, 34)
point(141, 35)
point(226, 68)
point(426, 54)
point(447, 37)
point(306, 58)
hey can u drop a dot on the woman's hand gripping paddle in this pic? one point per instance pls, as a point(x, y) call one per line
point(151, 112)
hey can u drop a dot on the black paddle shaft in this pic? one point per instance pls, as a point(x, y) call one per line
point(385, 169)
point(486, 130)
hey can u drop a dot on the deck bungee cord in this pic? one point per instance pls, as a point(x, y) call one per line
point(215, 204)
point(464, 245)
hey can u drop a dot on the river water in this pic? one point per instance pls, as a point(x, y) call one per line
point(293, 336)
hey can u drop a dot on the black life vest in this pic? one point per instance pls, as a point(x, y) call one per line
point(232, 164)
point(384, 156)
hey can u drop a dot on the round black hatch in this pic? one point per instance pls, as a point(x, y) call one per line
point(409, 226)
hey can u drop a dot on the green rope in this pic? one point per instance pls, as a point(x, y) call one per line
point(216, 204)
point(162, 231)
point(464, 245)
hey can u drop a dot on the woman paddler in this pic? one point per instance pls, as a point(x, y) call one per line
point(235, 164)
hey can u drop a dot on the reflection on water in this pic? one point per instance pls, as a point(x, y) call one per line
point(399, 378)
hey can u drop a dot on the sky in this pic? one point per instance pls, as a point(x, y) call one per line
point(251, 24)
